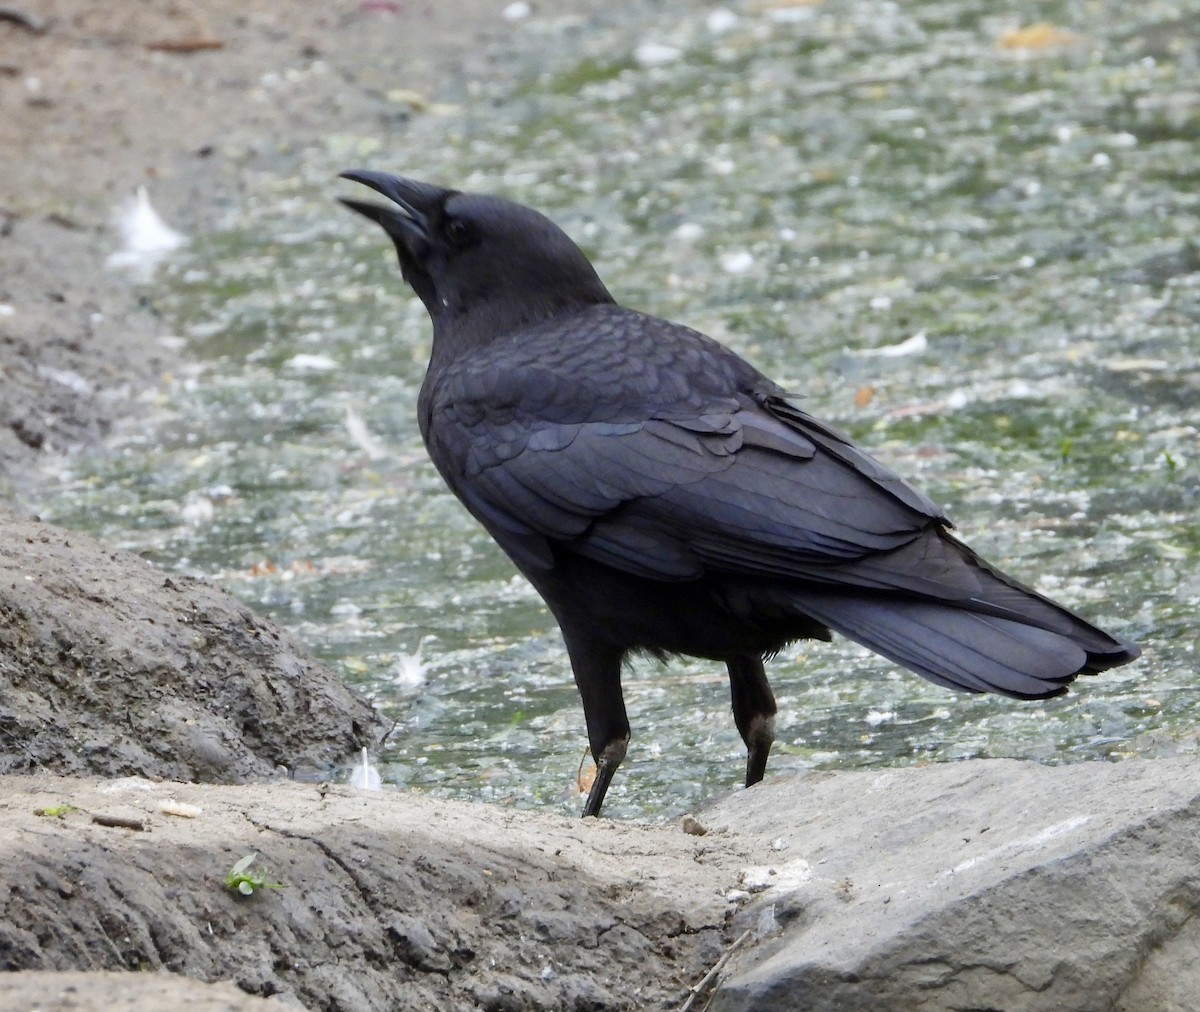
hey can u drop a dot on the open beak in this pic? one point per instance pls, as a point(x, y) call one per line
point(416, 204)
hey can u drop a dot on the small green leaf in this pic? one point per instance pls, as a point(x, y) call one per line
point(56, 812)
point(242, 880)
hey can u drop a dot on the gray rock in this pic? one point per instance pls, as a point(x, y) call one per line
point(111, 667)
point(974, 885)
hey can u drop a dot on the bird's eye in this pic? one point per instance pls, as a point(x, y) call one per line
point(458, 231)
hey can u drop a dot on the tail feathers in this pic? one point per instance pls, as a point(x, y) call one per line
point(973, 650)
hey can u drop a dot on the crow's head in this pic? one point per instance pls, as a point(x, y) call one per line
point(479, 263)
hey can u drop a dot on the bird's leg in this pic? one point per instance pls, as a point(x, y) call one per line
point(753, 712)
point(597, 668)
point(606, 765)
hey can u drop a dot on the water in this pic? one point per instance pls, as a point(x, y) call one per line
point(812, 186)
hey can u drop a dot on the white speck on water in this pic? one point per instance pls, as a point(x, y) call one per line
point(198, 511)
point(311, 363)
point(957, 400)
point(881, 302)
point(362, 437)
point(737, 261)
point(1027, 261)
point(721, 20)
point(910, 346)
point(1100, 160)
point(688, 232)
point(655, 54)
point(1020, 390)
point(7, 310)
point(409, 669)
point(877, 717)
point(790, 15)
point(516, 11)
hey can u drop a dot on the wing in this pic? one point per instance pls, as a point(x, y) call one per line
point(669, 477)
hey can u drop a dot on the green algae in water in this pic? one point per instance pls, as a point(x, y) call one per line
point(814, 192)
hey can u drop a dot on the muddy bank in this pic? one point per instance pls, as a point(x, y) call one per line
point(111, 667)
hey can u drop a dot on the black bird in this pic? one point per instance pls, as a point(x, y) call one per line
point(665, 497)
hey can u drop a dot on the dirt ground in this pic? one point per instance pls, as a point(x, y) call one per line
point(377, 901)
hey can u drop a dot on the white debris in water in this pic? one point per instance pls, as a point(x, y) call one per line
point(197, 511)
point(1020, 390)
point(362, 437)
point(881, 302)
point(655, 54)
point(7, 310)
point(911, 346)
point(721, 20)
point(409, 670)
point(877, 717)
point(311, 363)
point(518, 11)
point(146, 239)
point(956, 400)
point(1135, 364)
point(1100, 160)
point(688, 232)
point(790, 15)
point(737, 261)
point(365, 776)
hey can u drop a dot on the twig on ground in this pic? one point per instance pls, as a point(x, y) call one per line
point(702, 984)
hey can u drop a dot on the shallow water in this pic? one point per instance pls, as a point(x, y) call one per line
point(815, 186)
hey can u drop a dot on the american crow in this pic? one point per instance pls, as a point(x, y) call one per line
point(665, 497)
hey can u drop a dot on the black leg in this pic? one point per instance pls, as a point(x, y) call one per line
point(597, 668)
point(753, 712)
